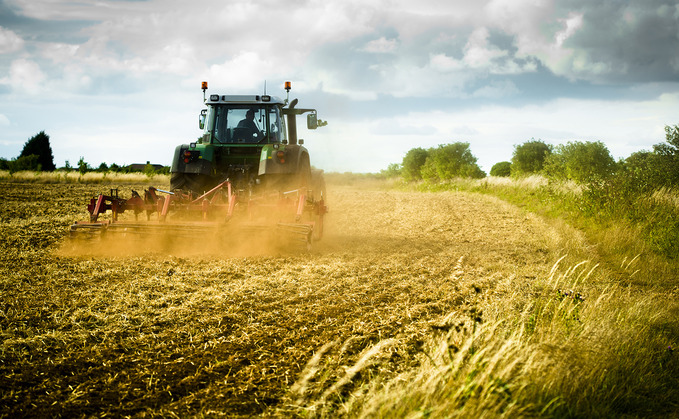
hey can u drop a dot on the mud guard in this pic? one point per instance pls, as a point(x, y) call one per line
point(201, 164)
point(270, 163)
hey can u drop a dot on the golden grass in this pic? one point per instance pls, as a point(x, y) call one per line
point(565, 354)
point(667, 196)
point(74, 176)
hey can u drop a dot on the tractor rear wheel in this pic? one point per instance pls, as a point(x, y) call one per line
point(193, 182)
point(318, 185)
point(319, 196)
point(303, 176)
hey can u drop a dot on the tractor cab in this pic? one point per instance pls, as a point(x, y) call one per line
point(249, 140)
point(243, 120)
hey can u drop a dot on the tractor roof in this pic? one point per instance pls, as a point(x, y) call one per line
point(244, 100)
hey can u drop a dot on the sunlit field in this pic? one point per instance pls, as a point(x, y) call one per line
point(445, 303)
point(74, 176)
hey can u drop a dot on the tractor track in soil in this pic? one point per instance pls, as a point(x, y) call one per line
point(187, 334)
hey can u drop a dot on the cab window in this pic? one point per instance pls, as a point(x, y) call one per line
point(243, 124)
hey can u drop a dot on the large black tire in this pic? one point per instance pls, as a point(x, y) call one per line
point(195, 183)
point(318, 185)
point(303, 177)
point(320, 197)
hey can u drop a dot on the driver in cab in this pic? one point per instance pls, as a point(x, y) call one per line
point(249, 123)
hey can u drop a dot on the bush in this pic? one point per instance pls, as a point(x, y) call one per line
point(502, 169)
point(451, 161)
point(411, 169)
point(529, 157)
point(83, 166)
point(666, 162)
point(393, 170)
point(23, 163)
point(582, 162)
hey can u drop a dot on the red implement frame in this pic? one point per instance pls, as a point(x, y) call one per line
point(290, 210)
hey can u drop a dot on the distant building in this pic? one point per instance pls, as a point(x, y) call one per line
point(140, 167)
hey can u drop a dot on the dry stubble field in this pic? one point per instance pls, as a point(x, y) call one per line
point(177, 334)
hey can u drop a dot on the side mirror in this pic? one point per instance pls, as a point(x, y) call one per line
point(201, 119)
point(311, 121)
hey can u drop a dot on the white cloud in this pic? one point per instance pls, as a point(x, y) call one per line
point(444, 63)
point(480, 55)
point(539, 33)
point(496, 90)
point(441, 76)
point(9, 41)
point(572, 24)
point(24, 76)
point(396, 127)
point(4, 121)
point(245, 71)
point(477, 52)
point(380, 46)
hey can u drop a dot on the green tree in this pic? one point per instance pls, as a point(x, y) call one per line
point(451, 161)
point(393, 170)
point(502, 169)
point(83, 166)
point(39, 145)
point(412, 163)
point(667, 161)
point(582, 162)
point(650, 170)
point(149, 170)
point(165, 170)
point(529, 157)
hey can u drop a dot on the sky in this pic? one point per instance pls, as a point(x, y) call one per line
point(118, 81)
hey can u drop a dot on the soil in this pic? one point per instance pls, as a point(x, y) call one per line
point(218, 332)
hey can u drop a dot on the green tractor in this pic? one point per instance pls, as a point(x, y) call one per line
point(247, 174)
point(251, 141)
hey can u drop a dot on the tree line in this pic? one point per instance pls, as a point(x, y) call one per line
point(584, 162)
point(36, 155)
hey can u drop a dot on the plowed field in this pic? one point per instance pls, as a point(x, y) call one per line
point(185, 334)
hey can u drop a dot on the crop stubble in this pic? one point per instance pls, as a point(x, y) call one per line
point(182, 334)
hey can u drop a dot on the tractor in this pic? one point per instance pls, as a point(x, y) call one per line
point(248, 168)
point(252, 141)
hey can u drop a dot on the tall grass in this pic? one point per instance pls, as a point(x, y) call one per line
point(573, 349)
point(74, 176)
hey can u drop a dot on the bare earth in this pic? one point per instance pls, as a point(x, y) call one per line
point(185, 334)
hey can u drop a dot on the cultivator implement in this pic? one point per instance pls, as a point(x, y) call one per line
point(222, 214)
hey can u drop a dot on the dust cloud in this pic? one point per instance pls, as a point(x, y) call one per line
point(187, 240)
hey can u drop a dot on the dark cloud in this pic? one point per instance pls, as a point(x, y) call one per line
point(42, 30)
point(634, 41)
